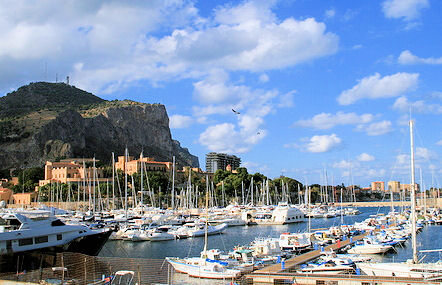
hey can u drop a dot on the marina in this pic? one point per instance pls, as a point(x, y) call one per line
point(193, 142)
point(151, 253)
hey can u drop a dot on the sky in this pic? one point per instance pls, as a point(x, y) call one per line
point(324, 89)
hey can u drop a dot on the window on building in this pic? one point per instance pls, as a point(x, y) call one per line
point(59, 237)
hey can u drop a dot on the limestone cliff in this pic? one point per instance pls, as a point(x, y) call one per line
point(46, 133)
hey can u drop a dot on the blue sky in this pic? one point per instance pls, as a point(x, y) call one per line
point(320, 85)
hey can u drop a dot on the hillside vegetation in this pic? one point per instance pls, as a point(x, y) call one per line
point(44, 95)
point(48, 121)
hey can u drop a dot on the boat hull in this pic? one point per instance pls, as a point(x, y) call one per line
point(43, 257)
point(201, 271)
point(368, 250)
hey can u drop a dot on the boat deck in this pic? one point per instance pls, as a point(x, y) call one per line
point(303, 258)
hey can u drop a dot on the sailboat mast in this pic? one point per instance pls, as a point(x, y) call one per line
point(207, 216)
point(125, 183)
point(173, 183)
point(413, 196)
point(94, 189)
point(113, 181)
point(142, 178)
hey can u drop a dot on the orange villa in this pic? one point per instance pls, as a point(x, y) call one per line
point(6, 195)
point(71, 170)
point(134, 165)
point(25, 198)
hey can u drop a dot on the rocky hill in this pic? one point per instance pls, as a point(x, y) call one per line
point(49, 121)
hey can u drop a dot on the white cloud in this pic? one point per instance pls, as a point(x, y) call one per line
point(252, 104)
point(228, 138)
point(376, 129)
point(180, 121)
point(39, 33)
point(371, 172)
point(213, 88)
point(247, 36)
point(365, 157)
point(406, 57)
point(286, 100)
point(253, 167)
point(218, 95)
point(345, 164)
point(375, 86)
point(324, 121)
point(439, 142)
point(263, 78)
point(422, 155)
point(425, 154)
point(402, 159)
point(323, 143)
point(406, 9)
point(402, 104)
point(330, 13)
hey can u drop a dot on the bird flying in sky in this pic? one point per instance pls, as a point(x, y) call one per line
point(236, 112)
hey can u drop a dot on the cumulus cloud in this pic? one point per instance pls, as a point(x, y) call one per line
point(324, 121)
point(421, 155)
point(252, 104)
point(406, 57)
point(323, 143)
point(425, 154)
point(330, 13)
point(253, 167)
point(375, 86)
point(227, 137)
point(214, 90)
point(157, 41)
point(286, 100)
point(365, 157)
point(402, 104)
point(263, 78)
point(180, 121)
point(374, 173)
point(371, 172)
point(376, 129)
point(405, 9)
point(345, 164)
point(62, 37)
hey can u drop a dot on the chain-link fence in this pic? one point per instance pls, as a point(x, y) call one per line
point(76, 268)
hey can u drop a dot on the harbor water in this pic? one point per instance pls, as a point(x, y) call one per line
point(429, 238)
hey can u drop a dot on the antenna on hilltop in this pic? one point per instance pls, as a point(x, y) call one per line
point(67, 80)
point(56, 77)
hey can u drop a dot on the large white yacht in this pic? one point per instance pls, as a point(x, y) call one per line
point(282, 214)
point(24, 233)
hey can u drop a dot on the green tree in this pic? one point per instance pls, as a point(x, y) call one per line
point(28, 179)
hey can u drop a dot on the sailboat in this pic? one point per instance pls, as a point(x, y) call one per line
point(208, 265)
point(411, 268)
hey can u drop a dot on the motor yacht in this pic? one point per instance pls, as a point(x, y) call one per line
point(26, 234)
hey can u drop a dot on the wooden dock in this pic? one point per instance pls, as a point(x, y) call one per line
point(306, 257)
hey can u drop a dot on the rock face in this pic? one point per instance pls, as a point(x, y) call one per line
point(139, 127)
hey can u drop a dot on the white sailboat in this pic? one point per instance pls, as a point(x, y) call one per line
point(410, 268)
point(207, 265)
